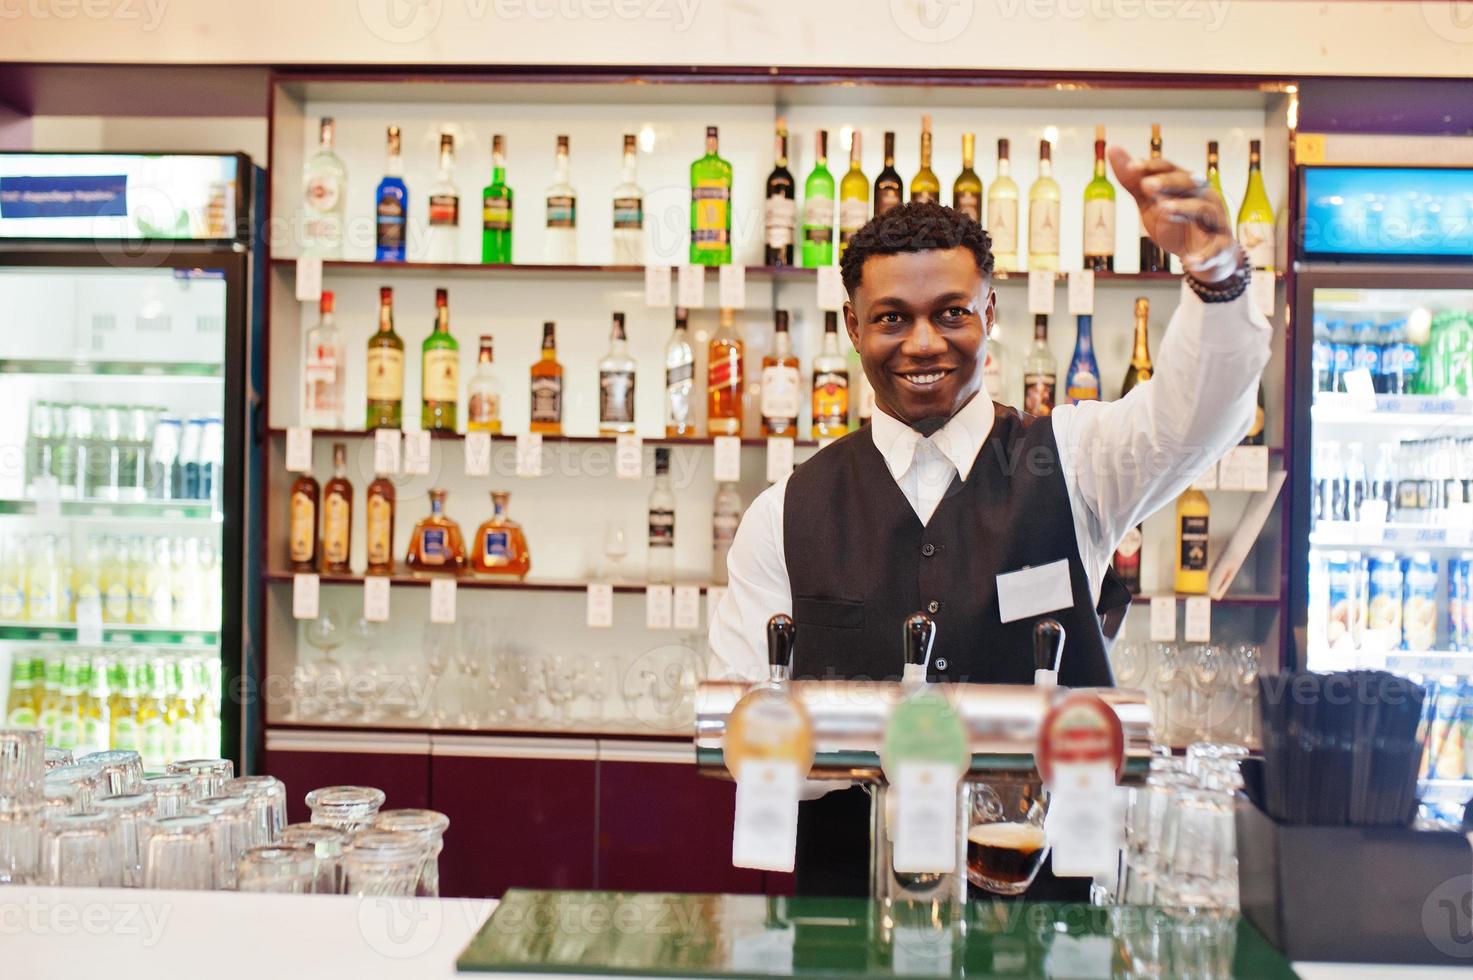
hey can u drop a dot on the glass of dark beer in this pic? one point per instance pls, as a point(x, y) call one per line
point(1005, 841)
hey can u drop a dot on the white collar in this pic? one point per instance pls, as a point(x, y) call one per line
point(959, 440)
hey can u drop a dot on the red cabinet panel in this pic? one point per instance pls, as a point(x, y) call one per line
point(403, 775)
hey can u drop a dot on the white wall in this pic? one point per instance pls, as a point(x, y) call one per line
point(1428, 37)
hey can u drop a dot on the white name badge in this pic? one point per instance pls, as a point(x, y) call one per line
point(1034, 591)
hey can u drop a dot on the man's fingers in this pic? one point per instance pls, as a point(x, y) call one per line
point(1129, 171)
point(1175, 183)
point(1205, 214)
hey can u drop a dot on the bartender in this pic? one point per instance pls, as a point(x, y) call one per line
point(946, 495)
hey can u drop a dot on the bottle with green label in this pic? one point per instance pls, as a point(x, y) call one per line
point(183, 708)
point(153, 715)
point(20, 703)
point(123, 705)
point(440, 372)
point(94, 733)
point(710, 206)
point(496, 209)
point(69, 712)
point(50, 711)
point(1256, 216)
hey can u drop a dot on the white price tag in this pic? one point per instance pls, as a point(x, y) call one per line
point(726, 459)
point(1230, 475)
point(89, 621)
point(830, 288)
point(628, 457)
point(1040, 291)
point(687, 607)
point(1361, 389)
point(417, 452)
point(779, 458)
point(1255, 468)
point(309, 279)
point(659, 601)
point(386, 451)
point(714, 595)
point(478, 454)
point(529, 454)
point(1373, 518)
point(733, 287)
point(48, 496)
point(1080, 825)
point(1198, 627)
point(1207, 480)
point(298, 449)
point(1163, 619)
point(376, 598)
point(1082, 292)
point(304, 596)
point(657, 285)
point(925, 817)
point(442, 600)
point(600, 614)
point(765, 828)
point(692, 292)
point(1263, 291)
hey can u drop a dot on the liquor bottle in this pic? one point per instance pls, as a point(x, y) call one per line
point(496, 209)
point(322, 397)
point(443, 233)
point(20, 705)
point(724, 378)
point(483, 393)
point(830, 384)
point(662, 522)
point(680, 373)
point(1043, 213)
point(1255, 436)
point(966, 192)
point(302, 524)
point(1002, 212)
point(866, 408)
point(1256, 216)
point(1040, 373)
point(1214, 175)
point(818, 208)
point(853, 197)
point(436, 544)
point(710, 206)
point(547, 387)
point(1099, 213)
point(1140, 368)
point(889, 188)
point(726, 514)
point(378, 527)
point(629, 210)
point(992, 370)
point(391, 207)
point(781, 213)
point(780, 382)
point(924, 186)
point(440, 372)
point(324, 189)
point(385, 368)
point(616, 384)
point(1127, 559)
point(1083, 383)
point(501, 547)
point(1191, 543)
point(1153, 258)
point(337, 515)
point(560, 241)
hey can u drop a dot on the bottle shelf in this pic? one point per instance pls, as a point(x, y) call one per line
point(158, 510)
point(471, 580)
point(511, 438)
point(116, 370)
point(114, 635)
point(1243, 599)
point(1339, 408)
point(1348, 534)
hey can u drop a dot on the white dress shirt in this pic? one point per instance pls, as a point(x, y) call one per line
point(1121, 461)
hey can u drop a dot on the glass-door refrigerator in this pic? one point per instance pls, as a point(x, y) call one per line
point(127, 298)
point(1383, 445)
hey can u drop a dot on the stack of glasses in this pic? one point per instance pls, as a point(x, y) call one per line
point(100, 821)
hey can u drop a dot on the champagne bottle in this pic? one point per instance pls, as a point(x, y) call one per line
point(889, 190)
point(853, 197)
point(1256, 216)
point(1099, 213)
point(924, 186)
point(1043, 213)
point(1153, 258)
point(966, 193)
point(1127, 558)
point(1002, 213)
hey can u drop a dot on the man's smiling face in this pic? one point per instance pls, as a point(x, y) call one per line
point(920, 322)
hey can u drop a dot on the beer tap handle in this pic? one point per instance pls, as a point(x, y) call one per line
point(780, 636)
point(1048, 652)
point(920, 633)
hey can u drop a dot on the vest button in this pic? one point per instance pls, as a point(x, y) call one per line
point(933, 605)
point(940, 663)
point(928, 549)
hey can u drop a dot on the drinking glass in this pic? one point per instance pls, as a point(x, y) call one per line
point(1247, 664)
point(382, 862)
point(327, 845)
point(82, 782)
point(1206, 663)
point(58, 757)
point(616, 548)
point(1199, 865)
point(1144, 829)
point(429, 826)
point(180, 853)
point(19, 825)
point(231, 828)
point(598, 687)
point(22, 766)
point(75, 851)
point(558, 684)
point(281, 868)
point(1130, 664)
point(209, 775)
point(327, 633)
point(122, 767)
point(266, 812)
point(347, 808)
point(128, 818)
point(170, 793)
point(1005, 840)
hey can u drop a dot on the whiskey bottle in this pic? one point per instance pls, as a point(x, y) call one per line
point(780, 383)
point(483, 393)
point(662, 522)
point(337, 515)
point(443, 232)
point(1040, 371)
point(436, 545)
point(724, 381)
point(680, 369)
point(781, 214)
point(500, 545)
point(322, 399)
point(302, 530)
point(440, 372)
point(726, 514)
point(547, 387)
point(379, 526)
point(1153, 258)
point(385, 369)
point(616, 384)
point(830, 384)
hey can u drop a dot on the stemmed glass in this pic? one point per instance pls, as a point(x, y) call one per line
point(326, 633)
point(1130, 665)
point(1247, 663)
point(1206, 667)
point(598, 687)
point(366, 638)
point(559, 685)
point(438, 643)
point(1162, 693)
point(469, 653)
point(616, 548)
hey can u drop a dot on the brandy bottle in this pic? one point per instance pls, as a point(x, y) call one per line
point(500, 545)
point(379, 526)
point(436, 544)
point(302, 529)
point(337, 514)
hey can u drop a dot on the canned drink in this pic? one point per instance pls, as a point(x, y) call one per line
point(211, 460)
point(133, 454)
point(1383, 616)
point(163, 457)
point(186, 474)
point(1341, 589)
point(1419, 605)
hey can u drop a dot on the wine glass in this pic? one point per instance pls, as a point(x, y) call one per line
point(1130, 665)
point(1006, 845)
point(616, 548)
point(598, 687)
point(365, 636)
point(327, 633)
point(1206, 668)
point(1164, 693)
point(1247, 664)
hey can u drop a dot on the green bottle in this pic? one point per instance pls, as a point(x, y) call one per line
point(1099, 213)
point(1214, 177)
point(496, 209)
point(20, 703)
point(440, 371)
point(1448, 356)
point(1256, 216)
point(818, 209)
point(710, 206)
